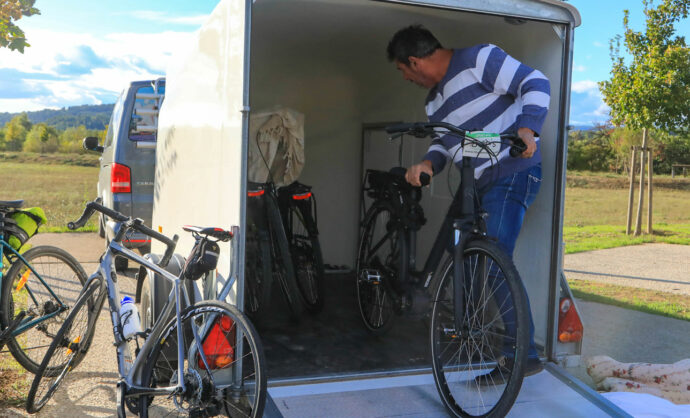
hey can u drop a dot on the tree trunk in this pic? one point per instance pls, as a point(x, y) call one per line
point(649, 193)
point(633, 151)
point(638, 222)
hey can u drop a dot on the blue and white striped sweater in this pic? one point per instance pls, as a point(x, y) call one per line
point(486, 89)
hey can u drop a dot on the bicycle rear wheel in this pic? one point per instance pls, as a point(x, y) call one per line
point(478, 369)
point(257, 272)
point(307, 258)
point(68, 348)
point(234, 384)
point(23, 291)
point(382, 250)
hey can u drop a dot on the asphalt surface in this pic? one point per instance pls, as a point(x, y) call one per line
point(625, 335)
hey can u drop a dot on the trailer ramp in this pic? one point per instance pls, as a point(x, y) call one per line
point(551, 393)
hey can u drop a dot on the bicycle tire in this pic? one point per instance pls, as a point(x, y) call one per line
point(460, 358)
point(65, 277)
point(375, 297)
point(258, 272)
point(283, 268)
point(62, 349)
point(307, 258)
point(248, 401)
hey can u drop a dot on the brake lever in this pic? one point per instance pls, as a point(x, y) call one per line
point(395, 136)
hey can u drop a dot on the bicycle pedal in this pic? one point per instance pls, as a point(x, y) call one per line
point(371, 276)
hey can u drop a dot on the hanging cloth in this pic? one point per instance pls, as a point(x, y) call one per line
point(276, 146)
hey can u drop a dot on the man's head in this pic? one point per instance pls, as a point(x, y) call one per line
point(413, 50)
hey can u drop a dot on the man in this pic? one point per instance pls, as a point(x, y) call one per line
point(481, 88)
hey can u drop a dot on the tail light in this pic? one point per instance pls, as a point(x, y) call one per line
point(218, 344)
point(120, 179)
point(255, 193)
point(569, 324)
point(301, 196)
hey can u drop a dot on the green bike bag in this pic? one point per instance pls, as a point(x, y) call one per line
point(21, 225)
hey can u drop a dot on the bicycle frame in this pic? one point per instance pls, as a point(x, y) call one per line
point(27, 324)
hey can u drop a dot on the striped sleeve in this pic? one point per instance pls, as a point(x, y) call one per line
point(506, 75)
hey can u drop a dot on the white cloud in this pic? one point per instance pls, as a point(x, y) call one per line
point(121, 58)
point(579, 68)
point(602, 110)
point(599, 44)
point(163, 17)
point(585, 86)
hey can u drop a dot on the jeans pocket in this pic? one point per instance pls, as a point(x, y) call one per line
point(533, 185)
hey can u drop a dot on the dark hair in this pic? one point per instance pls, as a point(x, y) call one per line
point(412, 41)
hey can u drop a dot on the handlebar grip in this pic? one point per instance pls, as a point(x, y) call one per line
point(518, 147)
point(169, 251)
point(400, 128)
point(425, 179)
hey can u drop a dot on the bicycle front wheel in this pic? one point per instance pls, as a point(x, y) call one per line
point(23, 291)
point(307, 258)
point(228, 379)
point(478, 369)
point(68, 348)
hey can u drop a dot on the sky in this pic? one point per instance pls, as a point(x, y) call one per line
point(86, 52)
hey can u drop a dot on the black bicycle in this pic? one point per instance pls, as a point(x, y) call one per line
point(298, 210)
point(479, 320)
point(268, 254)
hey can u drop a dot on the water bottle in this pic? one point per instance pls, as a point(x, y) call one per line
point(129, 317)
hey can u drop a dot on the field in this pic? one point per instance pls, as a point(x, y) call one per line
point(61, 190)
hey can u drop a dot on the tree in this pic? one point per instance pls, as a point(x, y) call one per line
point(16, 131)
point(41, 138)
point(652, 91)
point(11, 36)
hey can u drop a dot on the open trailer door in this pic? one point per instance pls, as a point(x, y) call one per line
point(325, 59)
point(200, 155)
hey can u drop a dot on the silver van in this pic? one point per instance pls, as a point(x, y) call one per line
point(127, 163)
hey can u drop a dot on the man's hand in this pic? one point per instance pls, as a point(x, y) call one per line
point(527, 136)
point(412, 174)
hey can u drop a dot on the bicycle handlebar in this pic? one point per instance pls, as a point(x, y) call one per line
point(96, 206)
point(423, 129)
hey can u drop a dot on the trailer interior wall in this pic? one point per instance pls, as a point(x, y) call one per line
point(327, 60)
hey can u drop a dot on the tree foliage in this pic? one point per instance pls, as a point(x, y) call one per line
point(11, 36)
point(21, 135)
point(653, 90)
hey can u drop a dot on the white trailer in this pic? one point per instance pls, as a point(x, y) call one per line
point(326, 59)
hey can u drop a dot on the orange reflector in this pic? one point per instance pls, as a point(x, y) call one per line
point(256, 193)
point(76, 341)
point(218, 344)
point(160, 229)
point(301, 196)
point(570, 327)
point(23, 280)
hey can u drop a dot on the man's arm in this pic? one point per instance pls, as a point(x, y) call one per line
point(412, 174)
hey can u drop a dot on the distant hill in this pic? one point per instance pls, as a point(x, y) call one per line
point(91, 116)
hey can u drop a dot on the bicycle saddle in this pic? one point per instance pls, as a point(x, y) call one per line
point(214, 232)
point(6, 205)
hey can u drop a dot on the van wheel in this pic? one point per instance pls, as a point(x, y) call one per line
point(101, 226)
point(121, 264)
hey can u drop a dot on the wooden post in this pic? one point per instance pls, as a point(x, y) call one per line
point(649, 192)
point(640, 201)
point(633, 151)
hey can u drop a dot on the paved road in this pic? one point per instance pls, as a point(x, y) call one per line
point(622, 334)
point(664, 267)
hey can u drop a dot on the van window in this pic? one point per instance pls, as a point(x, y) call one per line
point(144, 120)
point(114, 121)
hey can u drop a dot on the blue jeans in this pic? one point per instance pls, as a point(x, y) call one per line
point(506, 203)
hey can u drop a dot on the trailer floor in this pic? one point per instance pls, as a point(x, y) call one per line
point(542, 395)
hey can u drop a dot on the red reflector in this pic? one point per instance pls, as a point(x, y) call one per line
point(301, 196)
point(120, 179)
point(570, 327)
point(256, 193)
point(218, 344)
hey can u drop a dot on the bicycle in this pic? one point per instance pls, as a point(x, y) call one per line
point(205, 359)
point(268, 254)
point(298, 210)
point(36, 293)
point(478, 314)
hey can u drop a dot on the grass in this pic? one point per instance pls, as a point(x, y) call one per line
point(61, 190)
point(15, 382)
point(83, 160)
point(651, 301)
point(596, 209)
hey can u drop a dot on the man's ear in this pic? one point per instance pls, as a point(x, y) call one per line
point(414, 62)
